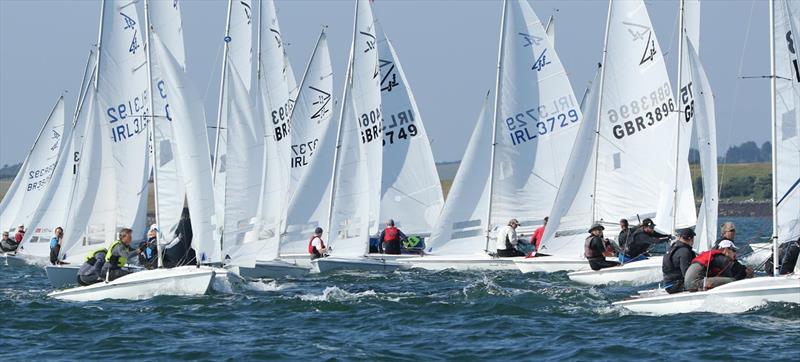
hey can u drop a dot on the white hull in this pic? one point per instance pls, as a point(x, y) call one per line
point(636, 273)
point(551, 264)
point(180, 281)
point(329, 264)
point(272, 269)
point(393, 257)
point(735, 297)
point(303, 260)
point(62, 276)
point(462, 262)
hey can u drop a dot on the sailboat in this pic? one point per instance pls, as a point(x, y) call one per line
point(701, 116)
point(184, 280)
point(613, 171)
point(534, 123)
point(30, 185)
point(742, 295)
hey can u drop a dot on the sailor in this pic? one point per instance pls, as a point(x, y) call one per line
point(715, 267)
point(624, 233)
point(536, 238)
point(507, 240)
point(596, 248)
point(790, 253)
point(677, 260)
point(316, 247)
point(89, 273)
point(728, 232)
point(640, 242)
point(148, 258)
point(55, 245)
point(117, 256)
point(20, 233)
point(390, 238)
point(7, 244)
point(179, 251)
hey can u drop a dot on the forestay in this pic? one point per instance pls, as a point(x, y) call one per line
point(461, 228)
point(787, 120)
point(313, 146)
point(411, 192)
point(25, 192)
point(537, 118)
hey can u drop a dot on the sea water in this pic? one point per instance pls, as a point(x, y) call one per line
point(406, 315)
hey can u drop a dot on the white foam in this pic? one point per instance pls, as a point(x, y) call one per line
point(336, 294)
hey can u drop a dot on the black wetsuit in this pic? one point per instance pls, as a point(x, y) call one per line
point(789, 257)
point(181, 253)
point(674, 265)
point(639, 242)
point(623, 238)
point(8, 245)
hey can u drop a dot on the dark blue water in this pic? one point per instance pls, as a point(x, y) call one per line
point(415, 315)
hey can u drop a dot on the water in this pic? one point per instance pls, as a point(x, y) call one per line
point(414, 315)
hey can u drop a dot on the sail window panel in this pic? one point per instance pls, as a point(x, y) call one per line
point(789, 125)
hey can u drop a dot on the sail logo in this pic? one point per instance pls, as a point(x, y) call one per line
point(388, 83)
point(530, 40)
point(642, 32)
point(248, 10)
point(370, 43)
point(131, 24)
point(541, 62)
point(322, 103)
point(277, 36)
point(56, 137)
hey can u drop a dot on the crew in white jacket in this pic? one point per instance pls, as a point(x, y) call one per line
point(507, 240)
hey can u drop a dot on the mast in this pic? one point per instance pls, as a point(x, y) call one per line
point(227, 40)
point(84, 89)
point(678, 123)
point(500, 57)
point(99, 44)
point(599, 113)
point(773, 116)
point(345, 97)
point(151, 127)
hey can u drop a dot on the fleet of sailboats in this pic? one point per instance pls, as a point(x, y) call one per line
point(284, 163)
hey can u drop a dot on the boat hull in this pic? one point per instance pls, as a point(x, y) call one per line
point(551, 264)
point(636, 273)
point(10, 259)
point(735, 297)
point(273, 269)
point(462, 263)
point(62, 276)
point(180, 281)
point(330, 264)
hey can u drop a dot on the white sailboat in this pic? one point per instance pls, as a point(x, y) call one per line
point(185, 280)
point(746, 294)
point(614, 170)
point(696, 109)
point(534, 124)
point(29, 187)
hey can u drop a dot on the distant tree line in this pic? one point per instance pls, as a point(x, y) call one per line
point(747, 152)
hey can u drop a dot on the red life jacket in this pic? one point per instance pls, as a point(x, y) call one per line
point(311, 246)
point(390, 234)
point(705, 258)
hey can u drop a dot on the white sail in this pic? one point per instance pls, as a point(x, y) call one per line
point(357, 183)
point(461, 228)
point(635, 123)
point(702, 109)
point(29, 186)
point(411, 192)
point(192, 151)
point(537, 118)
point(786, 155)
point(313, 141)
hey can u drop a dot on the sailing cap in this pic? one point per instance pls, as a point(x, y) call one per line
point(154, 227)
point(648, 222)
point(727, 244)
point(596, 226)
point(318, 231)
point(728, 226)
point(687, 233)
point(513, 222)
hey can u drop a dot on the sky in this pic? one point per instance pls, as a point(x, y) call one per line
point(448, 50)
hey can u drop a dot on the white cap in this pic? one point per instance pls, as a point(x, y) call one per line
point(153, 227)
point(727, 244)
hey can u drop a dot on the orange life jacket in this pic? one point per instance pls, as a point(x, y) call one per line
point(311, 245)
point(390, 234)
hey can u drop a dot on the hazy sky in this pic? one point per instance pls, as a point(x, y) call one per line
point(448, 50)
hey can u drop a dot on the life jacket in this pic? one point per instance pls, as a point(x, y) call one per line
point(311, 245)
point(117, 260)
point(705, 258)
point(91, 258)
point(668, 268)
point(588, 252)
point(390, 234)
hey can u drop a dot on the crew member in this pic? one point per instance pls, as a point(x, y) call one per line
point(624, 233)
point(55, 245)
point(391, 238)
point(789, 258)
point(728, 232)
point(148, 258)
point(715, 267)
point(179, 251)
point(117, 256)
point(536, 238)
point(89, 273)
point(640, 242)
point(677, 260)
point(7, 244)
point(507, 240)
point(20, 233)
point(316, 247)
point(595, 249)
